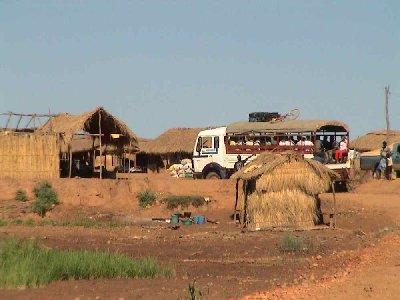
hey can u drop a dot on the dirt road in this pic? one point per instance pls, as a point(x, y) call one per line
point(359, 260)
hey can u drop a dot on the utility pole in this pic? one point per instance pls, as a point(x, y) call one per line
point(387, 93)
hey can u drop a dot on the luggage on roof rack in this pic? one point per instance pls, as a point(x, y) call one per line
point(263, 116)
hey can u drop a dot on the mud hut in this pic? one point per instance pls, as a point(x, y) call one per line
point(281, 190)
point(374, 140)
point(89, 139)
point(170, 147)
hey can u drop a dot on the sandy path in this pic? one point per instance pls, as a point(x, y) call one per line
point(377, 276)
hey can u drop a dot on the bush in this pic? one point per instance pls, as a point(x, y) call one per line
point(3, 223)
point(25, 264)
point(21, 196)
point(16, 222)
point(146, 198)
point(45, 198)
point(175, 201)
point(292, 243)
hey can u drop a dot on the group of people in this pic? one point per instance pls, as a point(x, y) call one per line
point(385, 164)
point(327, 150)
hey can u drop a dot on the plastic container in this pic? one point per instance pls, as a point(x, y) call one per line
point(187, 222)
point(201, 220)
point(175, 218)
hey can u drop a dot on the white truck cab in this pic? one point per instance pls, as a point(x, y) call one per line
point(210, 158)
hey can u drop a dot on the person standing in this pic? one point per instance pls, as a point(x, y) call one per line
point(389, 166)
point(239, 163)
point(385, 150)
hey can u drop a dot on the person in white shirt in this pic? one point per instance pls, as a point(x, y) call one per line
point(308, 142)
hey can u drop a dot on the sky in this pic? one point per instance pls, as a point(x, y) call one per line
point(163, 64)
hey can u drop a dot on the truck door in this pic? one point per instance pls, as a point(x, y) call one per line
point(207, 148)
point(396, 156)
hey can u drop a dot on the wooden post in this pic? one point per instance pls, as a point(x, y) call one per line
point(8, 121)
point(70, 161)
point(101, 152)
point(19, 121)
point(334, 205)
point(245, 182)
point(387, 93)
point(236, 201)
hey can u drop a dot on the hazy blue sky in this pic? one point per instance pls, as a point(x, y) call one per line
point(163, 64)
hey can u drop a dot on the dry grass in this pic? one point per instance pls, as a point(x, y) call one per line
point(29, 156)
point(286, 208)
point(295, 175)
point(68, 125)
point(171, 141)
point(275, 172)
point(373, 140)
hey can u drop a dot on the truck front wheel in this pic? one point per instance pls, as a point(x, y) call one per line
point(213, 175)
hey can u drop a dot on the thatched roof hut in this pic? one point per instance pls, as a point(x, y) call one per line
point(88, 122)
point(280, 190)
point(172, 141)
point(374, 140)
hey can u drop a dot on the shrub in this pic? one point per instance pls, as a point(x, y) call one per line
point(193, 292)
point(45, 198)
point(292, 243)
point(146, 198)
point(30, 223)
point(175, 201)
point(3, 223)
point(21, 196)
point(25, 264)
point(16, 222)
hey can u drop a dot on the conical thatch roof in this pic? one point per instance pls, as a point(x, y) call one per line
point(172, 141)
point(89, 122)
point(374, 140)
point(278, 172)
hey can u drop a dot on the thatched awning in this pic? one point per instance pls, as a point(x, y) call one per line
point(297, 126)
point(281, 171)
point(373, 140)
point(172, 141)
point(88, 122)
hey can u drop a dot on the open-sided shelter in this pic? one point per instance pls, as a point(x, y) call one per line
point(170, 147)
point(90, 139)
point(281, 190)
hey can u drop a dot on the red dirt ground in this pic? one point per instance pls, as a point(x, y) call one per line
point(358, 260)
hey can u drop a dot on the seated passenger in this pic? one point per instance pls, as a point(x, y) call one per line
point(282, 142)
point(342, 149)
point(302, 141)
point(289, 142)
point(268, 141)
point(319, 149)
point(257, 142)
point(249, 142)
point(308, 142)
point(232, 142)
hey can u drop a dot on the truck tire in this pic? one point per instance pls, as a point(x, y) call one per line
point(213, 175)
